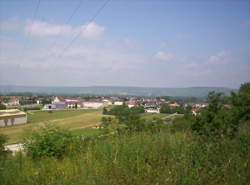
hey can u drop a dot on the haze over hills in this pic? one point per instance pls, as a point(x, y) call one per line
point(115, 90)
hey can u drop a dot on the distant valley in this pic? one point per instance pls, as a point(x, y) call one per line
point(115, 90)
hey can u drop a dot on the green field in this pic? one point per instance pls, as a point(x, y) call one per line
point(67, 119)
point(149, 116)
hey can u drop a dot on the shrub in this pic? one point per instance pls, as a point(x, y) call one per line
point(48, 141)
point(3, 140)
point(32, 108)
point(2, 106)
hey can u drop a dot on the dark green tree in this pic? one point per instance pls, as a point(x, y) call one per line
point(241, 102)
point(48, 141)
point(3, 140)
point(165, 109)
point(216, 120)
point(2, 106)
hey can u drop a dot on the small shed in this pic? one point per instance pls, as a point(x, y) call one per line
point(12, 117)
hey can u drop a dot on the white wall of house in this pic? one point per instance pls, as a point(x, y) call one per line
point(73, 105)
point(93, 105)
point(118, 103)
point(49, 106)
point(107, 102)
point(157, 111)
point(130, 105)
point(17, 121)
point(56, 100)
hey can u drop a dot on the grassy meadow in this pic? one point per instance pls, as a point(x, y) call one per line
point(68, 119)
point(170, 156)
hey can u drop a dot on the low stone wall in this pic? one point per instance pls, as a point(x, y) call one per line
point(13, 121)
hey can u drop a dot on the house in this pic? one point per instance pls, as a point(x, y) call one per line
point(107, 102)
point(174, 105)
point(118, 102)
point(12, 117)
point(152, 110)
point(195, 111)
point(60, 105)
point(132, 103)
point(92, 104)
point(63, 103)
point(151, 104)
point(49, 107)
point(57, 100)
point(13, 101)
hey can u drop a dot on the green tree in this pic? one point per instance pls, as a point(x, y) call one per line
point(241, 102)
point(215, 120)
point(104, 111)
point(165, 109)
point(2, 106)
point(106, 121)
point(48, 141)
point(3, 140)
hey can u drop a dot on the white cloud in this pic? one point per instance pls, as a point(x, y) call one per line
point(91, 30)
point(221, 56)
point(164, 56)
point(40, 28)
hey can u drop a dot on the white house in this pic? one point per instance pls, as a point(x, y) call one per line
point(118, 102)
point(58, 100)
point(107, 102)
point(13, 101)
point(132, 103)
point(12, 117)
point(49, 107)
point(152, 110)
point(93, 104)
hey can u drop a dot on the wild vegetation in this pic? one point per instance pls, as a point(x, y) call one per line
point(211, 148)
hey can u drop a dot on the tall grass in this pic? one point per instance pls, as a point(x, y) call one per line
point(164, 157)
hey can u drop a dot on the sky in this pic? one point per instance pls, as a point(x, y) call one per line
point(144, 43)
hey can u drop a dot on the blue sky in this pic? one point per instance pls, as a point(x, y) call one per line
point(130, 43)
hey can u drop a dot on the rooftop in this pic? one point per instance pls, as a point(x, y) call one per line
point(11, 112)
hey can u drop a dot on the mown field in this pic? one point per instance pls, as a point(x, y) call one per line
point(74, 120)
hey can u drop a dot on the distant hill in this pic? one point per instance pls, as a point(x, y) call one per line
point(112, 90)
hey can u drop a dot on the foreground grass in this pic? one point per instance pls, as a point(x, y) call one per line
point(166, 157)
point(87, 132)
point(68, 119)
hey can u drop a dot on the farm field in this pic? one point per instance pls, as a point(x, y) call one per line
point(67, 119)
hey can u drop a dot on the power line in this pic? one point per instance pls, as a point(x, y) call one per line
point(30, 30)
point(79, 33)
point(67, 22)
point(34, 15)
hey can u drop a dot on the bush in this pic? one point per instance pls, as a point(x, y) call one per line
point(3, 140)
point(32, 108)
point(48, 141)
point(215, 120)
point(2, 106)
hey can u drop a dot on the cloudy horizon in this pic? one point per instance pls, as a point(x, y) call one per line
point(130, 43)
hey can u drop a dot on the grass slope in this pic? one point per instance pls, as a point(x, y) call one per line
point(165, 157)
point(68, 119)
